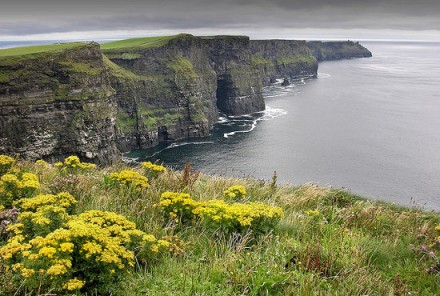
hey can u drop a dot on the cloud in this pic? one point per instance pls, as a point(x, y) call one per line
point(27, 17)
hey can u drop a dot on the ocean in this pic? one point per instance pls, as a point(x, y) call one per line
point(370, 126)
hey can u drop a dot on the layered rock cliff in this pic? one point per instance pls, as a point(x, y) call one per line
point(79, 99)
point(276, 59)
point(173, 88)
point(57, 103)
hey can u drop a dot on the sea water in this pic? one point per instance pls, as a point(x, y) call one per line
point(371, 126)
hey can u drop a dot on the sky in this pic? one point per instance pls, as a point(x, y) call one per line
point(259, 19)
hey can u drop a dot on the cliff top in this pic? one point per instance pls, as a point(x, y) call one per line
point(27, 50)
point(144, 42)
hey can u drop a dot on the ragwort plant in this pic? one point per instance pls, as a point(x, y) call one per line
point(16, 185)
point(152, 170)
point(54, 251)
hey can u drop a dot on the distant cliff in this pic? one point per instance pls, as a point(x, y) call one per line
point(275, 59)
point(81, 99)
point(337, 50)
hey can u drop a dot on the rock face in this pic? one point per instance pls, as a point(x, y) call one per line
point(131, 94)
point(174, 91)
point(57, 103)
point(337, 50)
point(277, 59)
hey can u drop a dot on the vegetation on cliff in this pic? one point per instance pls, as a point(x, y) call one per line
point(149, 230)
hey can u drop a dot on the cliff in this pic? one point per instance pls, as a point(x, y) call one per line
point(81, 99)
point(337, 50)
point(55, 102)
point(276, 59)
point(170, 88)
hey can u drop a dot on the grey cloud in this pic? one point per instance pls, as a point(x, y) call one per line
point(23, 17)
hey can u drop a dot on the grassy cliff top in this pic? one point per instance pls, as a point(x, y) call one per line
point(26, 50)
point(145, 42)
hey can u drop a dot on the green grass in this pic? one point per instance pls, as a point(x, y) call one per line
point(26, 50)
point(285, 60)
point(182, 67)
point(352, 246)
point(119, 71)
point(145, 42)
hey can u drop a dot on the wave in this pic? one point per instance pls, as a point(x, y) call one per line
point(324, 75)
point(269, 113)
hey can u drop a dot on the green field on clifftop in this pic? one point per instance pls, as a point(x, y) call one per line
point(145, 42)
point(25, 50)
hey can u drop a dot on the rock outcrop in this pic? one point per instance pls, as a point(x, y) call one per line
point(57, 103)
point(94, 102)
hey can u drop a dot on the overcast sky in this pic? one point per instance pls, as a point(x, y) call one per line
point(290, 19)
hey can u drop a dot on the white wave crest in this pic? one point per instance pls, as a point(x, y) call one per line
point(269, 113)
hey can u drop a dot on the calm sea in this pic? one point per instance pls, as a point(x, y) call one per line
point(369, 125)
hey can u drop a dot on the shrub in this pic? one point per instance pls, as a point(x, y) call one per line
point(236, 192)
point(130, 178)
point(6, 163)
point(16, 186)
point(178, 206)
point(73, 165)
point(153, 170)
point(235, 217)
point(239, 217)
point(62, 199)
point(92, 250)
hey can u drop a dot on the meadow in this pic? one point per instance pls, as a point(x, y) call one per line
point(71, 228)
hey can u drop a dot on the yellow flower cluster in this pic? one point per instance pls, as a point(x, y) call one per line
point(178, 205)
point(235, 192)
point(62, 199)
point(218, 213)
point(73, 162)
point(153, 170)
point(41, 164)
point(239, 216)
point(47, 239)
point(6, 163)
point(73, 284)
point(18, 185)
point(130, 177)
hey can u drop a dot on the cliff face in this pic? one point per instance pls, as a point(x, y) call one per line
point(77, 99)
point(57, 103)
point(163, 93)
point(289, 59)
point(337, 50)
point(174, 91)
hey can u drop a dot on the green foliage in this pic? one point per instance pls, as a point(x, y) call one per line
point(297, 59)
point(119, 71)
point(126, 123)
point(182, 67)
point(257, 61)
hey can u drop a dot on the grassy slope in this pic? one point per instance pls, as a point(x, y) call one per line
point(146, 42)
point(19, 51)
point(352, 247)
